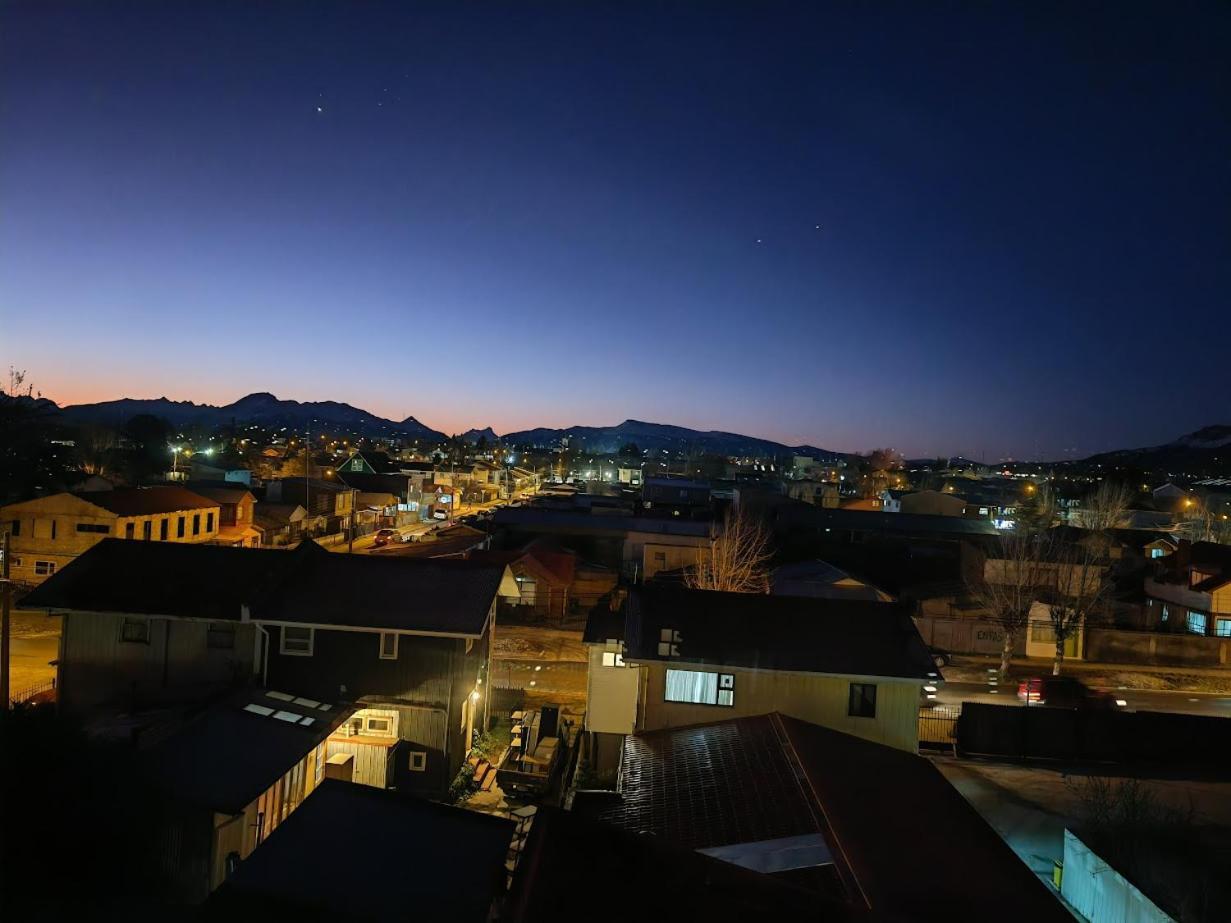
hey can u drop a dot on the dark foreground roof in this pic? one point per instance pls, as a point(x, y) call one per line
point(902, 840)
point(227, 756)
point(802, 634)
point(574, 868)
point(353, 852)
point(308, 585)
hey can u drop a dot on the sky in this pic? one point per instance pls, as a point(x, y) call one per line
point(1000, 230)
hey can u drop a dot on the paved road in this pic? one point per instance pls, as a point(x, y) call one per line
point(1192, 703)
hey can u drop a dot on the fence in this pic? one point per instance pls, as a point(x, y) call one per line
point(43, 692)
point(937, 726)
point(1094, 735)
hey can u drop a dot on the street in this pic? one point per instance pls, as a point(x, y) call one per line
point(366, 543)
point(1191, 703)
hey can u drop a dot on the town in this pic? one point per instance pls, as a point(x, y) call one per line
point(556, 462)
point(496, 668)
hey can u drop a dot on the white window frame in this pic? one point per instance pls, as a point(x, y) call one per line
point(723, 688)
point(417, 761)
point(371, 732)
point(613, 659)
point(282, 648)
point(44, 568)
point(383, 654)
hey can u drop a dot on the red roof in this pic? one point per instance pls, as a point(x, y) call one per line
point(148, 501)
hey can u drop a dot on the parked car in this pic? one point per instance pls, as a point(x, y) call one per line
point(440, 514)
point(1062, 692)
point(940, 657)
point(387, 536)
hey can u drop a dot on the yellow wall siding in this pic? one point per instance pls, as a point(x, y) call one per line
point(611, 694)
point(1220, 600)
point(820, 699)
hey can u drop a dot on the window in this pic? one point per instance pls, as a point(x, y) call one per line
point(147, 530)
point(700, 688)
point(297, 642)
point(93, 527)
point(1222, 628)
point(1043, 632)
point(669, 643)
point(163, 526)
point(53, 530)
point(380, 726)
point(862, 701)
point(388, 645)
point(15, 528)
point(418, 761)
point(209, 522)
point(1197, 622)
point(136, 631)
point(220, 637)
point(320, 763)
point(612, 659)
point(130, 530)
point(44, 568)
point(1156, 552)
point(179, 528)
point(196, 524)
point(1166, 612)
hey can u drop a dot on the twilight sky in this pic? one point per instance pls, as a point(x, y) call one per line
point(993, 229)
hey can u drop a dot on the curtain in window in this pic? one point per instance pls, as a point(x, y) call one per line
point(691, 686)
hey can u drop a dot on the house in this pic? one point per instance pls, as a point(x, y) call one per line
point(683, 494)
point(932, 503)
point(237, 515)
point(333, 502)
point(853, 665)
point(638, 546)
point(1191, 590)
point(864, 504)
point(281, 524)
point(818, 493)
point(48, 533)
point(369, 462)
point(821, 580)
point(871, 827)
point(203, 471)
point(230, 776)
point(406, 639)
point(354, 853)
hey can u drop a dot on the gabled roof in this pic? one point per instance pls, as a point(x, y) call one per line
point(900, 839)
point(224, 494)
point(148, 501)
point(569, 859)
point(308, 585)
point(798, 634)
point(244, 745)
point(354, 852)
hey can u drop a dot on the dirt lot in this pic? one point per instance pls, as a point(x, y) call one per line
point(548, 663)
point(36, 640)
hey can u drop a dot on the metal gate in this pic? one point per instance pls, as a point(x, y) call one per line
point(936, 726)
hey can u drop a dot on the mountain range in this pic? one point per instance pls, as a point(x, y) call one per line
point(269, 411)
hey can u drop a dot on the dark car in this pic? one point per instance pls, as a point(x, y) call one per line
point(940, 657)
point(1062, 692)
point(386, 536)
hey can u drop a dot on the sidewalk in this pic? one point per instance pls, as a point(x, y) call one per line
point(970, 668)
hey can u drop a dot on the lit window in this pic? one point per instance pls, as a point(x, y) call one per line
point(44, 568)
point(862, 701)
point(135, 630)
point(669, 643)
point(1197, 622)
point(612, 659)
point(1222, 628)
point(297, 642)
point(418, 761)
point(388, 645)
point(699, 688)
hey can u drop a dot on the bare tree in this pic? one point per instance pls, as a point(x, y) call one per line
point(736, 559)
point(1106, 508)
point(1009, 586)
point(1079, 584)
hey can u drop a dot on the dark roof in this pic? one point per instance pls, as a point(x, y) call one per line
point(604, 624)
point(838, 636)
point(902, 840)
point(226, 757)
point(224, 494)
point(147, 501)
point(573, 867)
point(308, 585)
point(162, 578)
point(566, 520)
point(354, 852)
point(398, 484)
point(799, 513)
point(441, 596)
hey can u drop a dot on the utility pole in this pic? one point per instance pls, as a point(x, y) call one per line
point(5, 594)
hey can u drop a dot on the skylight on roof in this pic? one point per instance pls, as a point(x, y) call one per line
point(261, 710)
point(307, 703)
point(322, 708)
point(307, 722)
point(280, 696)
point(288, 716)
